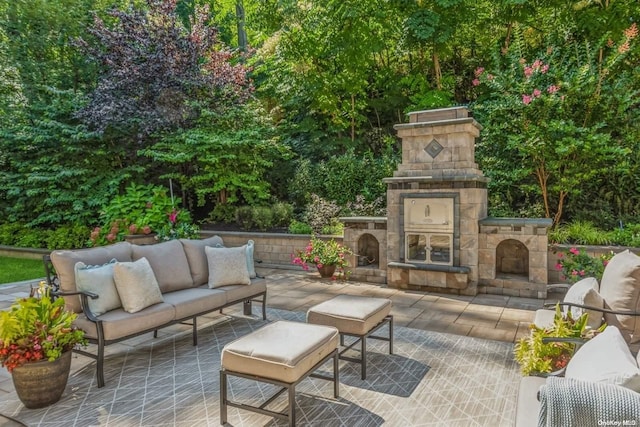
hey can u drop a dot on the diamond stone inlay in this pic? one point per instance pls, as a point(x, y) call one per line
point(433, 148)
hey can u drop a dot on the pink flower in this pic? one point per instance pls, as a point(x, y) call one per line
point(110, 237)
point(478, 72)
point(574, 273)
point(528, 71)
point(536, 64)
point(552, 89)
point(581, 272)
point(526, 99)
point(574, 251)
point(475, 82)
point(536, 93)
point(133, 228)
point(146, 229)
point(319, 265)
point(173, 216)
point(305, 267)
point(560, 255)
point(490, 77)
point(558, 266)
point(544, 69)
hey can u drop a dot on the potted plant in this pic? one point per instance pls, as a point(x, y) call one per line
point(548, 350)
point(576, 264)
point(36, 339)
point(327, 255)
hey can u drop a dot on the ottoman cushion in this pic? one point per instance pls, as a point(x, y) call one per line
point(282, 350)
point(351, 314)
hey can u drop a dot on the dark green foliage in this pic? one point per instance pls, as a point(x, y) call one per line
point(282, 214)
point(297, 227)
point(262, 217)
point(244, 217)
point(62, 237)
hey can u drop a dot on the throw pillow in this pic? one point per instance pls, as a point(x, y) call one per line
point(194, 250)
point(605, 358)
point(98, 279)
point(227, 266)
point(136, 284)
point(169, 264)
point(250, 262)
point(585, 292)
point(620, 289)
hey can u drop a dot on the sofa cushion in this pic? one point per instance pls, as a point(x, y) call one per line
point(236, 293)
point(169, 264)
point(190, 302)
point(227, 266)
point(585, 292)
point(99, 280)
point(620, 289)
point(118, 323)
point(136, 284)
point(64, 262)
point(194, 250)
point(605, 358)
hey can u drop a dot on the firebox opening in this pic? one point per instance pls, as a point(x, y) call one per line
point(368, 251)
point(512, 260)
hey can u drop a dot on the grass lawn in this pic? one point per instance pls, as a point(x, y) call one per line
point(18, 269)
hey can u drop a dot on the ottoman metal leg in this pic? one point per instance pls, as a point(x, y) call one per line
point(223, 397)
point(388, 320)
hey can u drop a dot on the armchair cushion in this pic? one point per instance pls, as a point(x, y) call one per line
point(620, 289)
point(605, 358)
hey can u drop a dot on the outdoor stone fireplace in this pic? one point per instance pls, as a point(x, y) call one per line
point(437, 235)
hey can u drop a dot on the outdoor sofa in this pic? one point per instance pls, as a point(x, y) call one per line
point(601, 383)
point(123, 290)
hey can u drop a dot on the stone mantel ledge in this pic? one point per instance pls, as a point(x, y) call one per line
point(431, 267)
point(516, 222)
point(459, 121)
point(374, 219)
point(431, 178)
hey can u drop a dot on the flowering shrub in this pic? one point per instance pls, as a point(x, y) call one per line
point(323, 252)
point(36, 328)
point(556, 119)
point(576, 264)
point(142, 210)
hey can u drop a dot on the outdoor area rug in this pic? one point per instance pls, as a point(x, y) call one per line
point(431, 379)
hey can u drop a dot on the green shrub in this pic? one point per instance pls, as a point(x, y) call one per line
point(262, 217)
point(9, 232)
point(68, 237)
point(282, 214)
point(335, 228)
point(223, 212)
point(297, 227)
point(321, 213)
point(244, 217)
point(580, 233)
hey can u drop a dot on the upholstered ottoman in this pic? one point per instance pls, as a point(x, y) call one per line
point(355, 316)
point(281, 353)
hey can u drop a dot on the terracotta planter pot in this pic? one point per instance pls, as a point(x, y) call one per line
point(42, 383)
point(141, 239)
point(326, 270)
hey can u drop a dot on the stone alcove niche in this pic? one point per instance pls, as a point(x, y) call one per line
point(512, 259)
point(368, 251)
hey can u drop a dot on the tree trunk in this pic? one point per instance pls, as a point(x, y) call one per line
point(242, 33)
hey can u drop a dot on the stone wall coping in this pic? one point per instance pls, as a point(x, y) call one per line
point(374, 219)
point(417, 125)
point(517, 222)
point(208, 233)
point(430, 267)
point(440, 178)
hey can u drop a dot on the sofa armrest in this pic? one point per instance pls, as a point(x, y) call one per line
point(84, 297)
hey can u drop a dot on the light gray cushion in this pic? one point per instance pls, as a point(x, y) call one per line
point(118, 323)
point(281, 350)
point(585, 292)
point(194, 250)
point(136, 284)
point(352, 314)
point(64, 262)
point(605, 358)
point(169, 264)
point(620, 289)
point(227, 266)
point(190, 302)
point(98, 279)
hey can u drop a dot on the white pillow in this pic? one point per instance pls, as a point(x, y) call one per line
point(137, 285)
point(585, 292)
point(606, 358)
point(99, 280)
point(227, 266)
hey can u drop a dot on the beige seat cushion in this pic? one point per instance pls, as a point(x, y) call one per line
point(282, 350)
point(118, 323)
point(544, 318)
point(168, 262)
point(189, 302)
point(194, 250)
point(243, 292)
point(64, 262)
point(528, 405)
point(620, 289)
point(349, 313)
